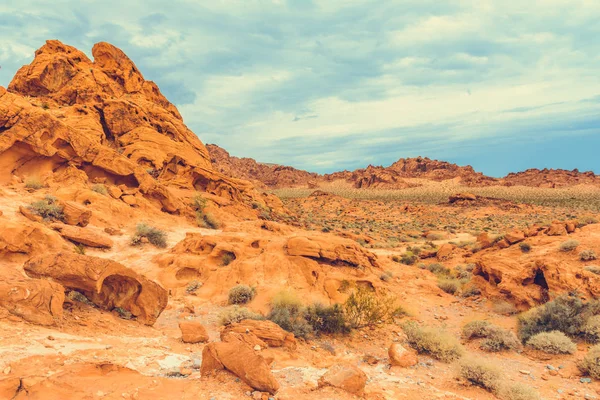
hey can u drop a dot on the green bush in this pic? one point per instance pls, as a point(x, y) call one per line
point(33, 183)
point(438, 269)
point(554, 342)
point(100, 188)
point(566, 313)
point(235, 314)
point(193, 286)
point(481, 372)
point(591, 363)
point(437, 343)
point(327, 319)
point(241, 294)
point(408, 258)
point(476, 329)
point(365, 308)
point(287, 311)
point(569, 245)
point(587, 255)
point(154, 235)
point(48, 209)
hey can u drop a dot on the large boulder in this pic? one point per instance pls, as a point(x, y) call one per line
point(193, 332)
point(240, 359)
point(267, 331)
point(83, 236)
point(401, 357)
point(345, 376)
point(105, 282)
point(76, 214)
point(38, 301)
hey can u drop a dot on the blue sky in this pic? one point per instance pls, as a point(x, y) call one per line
point(324, 85)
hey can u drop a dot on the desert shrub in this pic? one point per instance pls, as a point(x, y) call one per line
point(591, 330)
point(227, 258)
point(79, 249)
point(480, 372)
point(566, 313)
point(241, 294)
point(438, 269)
point(154, 235)
point(193, 286)
point(476, 329)
point(434, 236)
point(470, 291)
point(463, 274)
point(207, 220)
point(591, 363)
point(235, 314)
point(504, 308)
point(449, 285)
point(554, 342)
point(569, 245)
point(287, 311)
point(33, 183)
point(587, 255)
point(496, 338)
point(525, 247)
point(408, 258)
point(594, 269)
point(433, 341)
point(386, 276)
point(48, 209)
point(366, 308)
point(518, 391)
point(100, 188)
point(326, 319)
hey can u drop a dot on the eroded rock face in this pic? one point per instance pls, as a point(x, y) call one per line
point(105, 282)
point(240, 359)
point(333, 250)
point(38, 301)
point(101, 117)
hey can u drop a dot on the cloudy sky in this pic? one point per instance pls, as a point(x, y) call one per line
point(326, 85)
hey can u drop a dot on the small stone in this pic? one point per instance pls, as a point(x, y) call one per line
point(585, 380)
point(257, 348)
point(525, 372)
point(553, 372)
point(6, 370)
point(50, 338)
point(550, 367)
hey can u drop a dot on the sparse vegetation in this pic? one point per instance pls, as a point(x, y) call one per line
point(33, 183)
point(100, 188)
point(525, 247)
point(235, 314)
point(203, 218)
point(408, 258)
point(591, 330)
point(193, 286)
point(327, 319)
point(518, 391)
point(437, 343)
point(594, 269)
point(480, 372)
point(154, 235)
point(496, 338)
point(591, 363)
point(287, 311)
point(79, 249)
point(568, 245)
point(48, 209)
point(241, 294)
point(566, 313)
point(449, 285)
point(587, 255)
point(227, 258)
point(366, 308)
point(554, 342)
point(504, 308)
